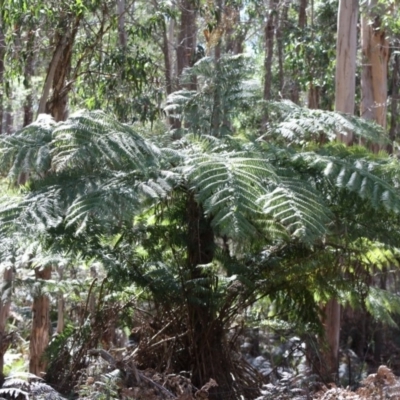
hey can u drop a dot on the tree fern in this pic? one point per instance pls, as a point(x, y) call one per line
point(299, 125)
point(222, 92)
point(28, 151)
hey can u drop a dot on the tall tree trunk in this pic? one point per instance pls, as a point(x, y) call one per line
point(302, 22)
point(187, 35)
point(167, 60)
point(58, 74)
point(281, 24)
point(5, 303)
point(395, 100)
point(171, 51)
point(346, 49)
point(28, 73)
point(121, 23)
point(2, 68)
point(269, 48)
point(313, 96)
point(344, 102)
point(40, 326)
point(9, 115)
point(375, 53)
point(235, 32)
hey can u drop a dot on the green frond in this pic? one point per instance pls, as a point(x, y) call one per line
point(27, 151)
point(228, 185)
point(118, 198)
point(376, 254)
point(298, 208)
point(300, 124)
point(368, 177)
point(93, 140)
point(381, 304)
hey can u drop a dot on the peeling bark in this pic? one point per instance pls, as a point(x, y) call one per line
point(375, 52)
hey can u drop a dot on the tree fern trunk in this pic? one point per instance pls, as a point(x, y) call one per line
point(330, 364)
point(40, 327)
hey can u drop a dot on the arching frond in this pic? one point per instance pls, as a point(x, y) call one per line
point(91, 140)
point(370, 178)
point(228, 185)
point(299, 208)
point(300, 124)
point(27, 151)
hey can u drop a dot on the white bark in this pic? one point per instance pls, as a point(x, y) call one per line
point(346, 48)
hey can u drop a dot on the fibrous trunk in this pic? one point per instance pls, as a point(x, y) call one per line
point(40, 326)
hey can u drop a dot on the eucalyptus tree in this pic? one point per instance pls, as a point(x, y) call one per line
point(376, 54)
point(208, 224)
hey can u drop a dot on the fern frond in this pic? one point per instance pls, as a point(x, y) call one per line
point(368, 176)
point(27, 151)
point(381, 304)
point(91, 140)
point(299, 124)
point(299, 208)
point(223, 90)
point(228, 185)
